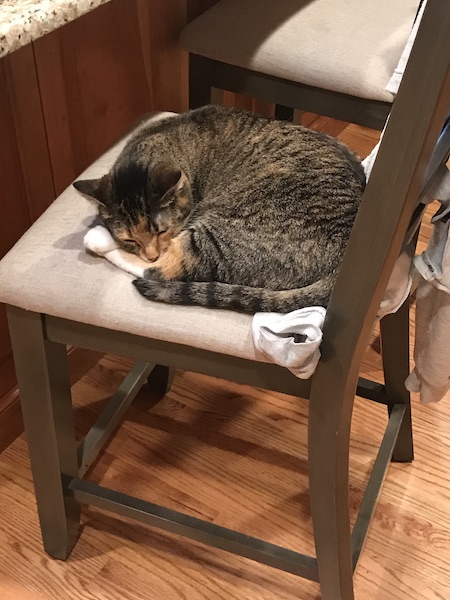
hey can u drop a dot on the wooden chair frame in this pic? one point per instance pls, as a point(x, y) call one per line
point(206, 73)
point(419, 144)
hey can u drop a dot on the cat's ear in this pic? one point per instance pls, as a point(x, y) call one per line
point(169, 181)
point(96, 189)
point(172, 186)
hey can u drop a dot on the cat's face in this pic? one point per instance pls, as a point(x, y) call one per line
point(142, 210)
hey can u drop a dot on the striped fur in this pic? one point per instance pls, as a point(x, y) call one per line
point(233, 210)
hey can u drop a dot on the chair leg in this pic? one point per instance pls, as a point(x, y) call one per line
point(395, 352)
point(284, 113)
point(199, 81)
point(43, 377)
point(328, 451)
point(160, 380)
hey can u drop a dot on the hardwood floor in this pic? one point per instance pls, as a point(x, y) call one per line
point(236, 456)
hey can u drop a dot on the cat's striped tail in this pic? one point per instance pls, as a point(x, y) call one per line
point(236, 297)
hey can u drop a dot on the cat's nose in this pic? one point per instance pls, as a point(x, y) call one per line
point(151, 249)
point(151, 255)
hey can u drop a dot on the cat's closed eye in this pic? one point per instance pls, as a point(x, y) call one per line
point(131, 245)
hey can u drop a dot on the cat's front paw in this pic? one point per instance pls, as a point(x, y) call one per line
point(99, 241)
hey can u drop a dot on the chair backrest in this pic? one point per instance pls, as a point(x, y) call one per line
point(406, 160)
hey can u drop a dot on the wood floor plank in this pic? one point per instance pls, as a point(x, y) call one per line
point(12, 590)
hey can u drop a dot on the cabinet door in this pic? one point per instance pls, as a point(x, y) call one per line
point(101, 72)
point(25, 173)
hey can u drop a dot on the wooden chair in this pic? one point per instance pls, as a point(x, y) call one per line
point(57, 295)
point(313, 55)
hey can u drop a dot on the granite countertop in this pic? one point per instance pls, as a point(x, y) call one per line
point(22, 21)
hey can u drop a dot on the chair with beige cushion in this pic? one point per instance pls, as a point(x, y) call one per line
point(326, 57)
point(59, 295)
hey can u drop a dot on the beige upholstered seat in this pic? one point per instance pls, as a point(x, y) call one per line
point(351, 46)
point(50, 272)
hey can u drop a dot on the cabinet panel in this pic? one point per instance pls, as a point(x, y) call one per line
point(166, 63)
point(93, 84)
point(22, 87)
point(99, 73)
point(25, 173)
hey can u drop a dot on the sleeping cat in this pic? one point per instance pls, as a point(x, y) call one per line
point(231, 210)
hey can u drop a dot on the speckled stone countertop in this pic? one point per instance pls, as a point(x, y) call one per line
point(22, 21)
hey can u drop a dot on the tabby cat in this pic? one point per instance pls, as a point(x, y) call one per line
point(232, 210)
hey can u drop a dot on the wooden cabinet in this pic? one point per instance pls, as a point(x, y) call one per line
point(26, 186)
point(63, 101)
point(26, 189)
point(101, 72)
